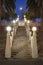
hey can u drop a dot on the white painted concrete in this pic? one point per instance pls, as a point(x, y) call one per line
point(34, 46)
point(8, 47)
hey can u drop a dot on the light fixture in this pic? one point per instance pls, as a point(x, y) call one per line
point(14, 21)
point(34, 28)
point(24, 16)
point(28, 21)
point(8, 28)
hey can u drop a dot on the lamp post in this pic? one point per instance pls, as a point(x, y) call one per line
point(34, 43)
point(17, 18)
point(29, 33)
point(25, 18)
point(28, 29)
point(14, 27)
point(14, 21)
point(11, 38)
point(28, 21)
point(8, 47)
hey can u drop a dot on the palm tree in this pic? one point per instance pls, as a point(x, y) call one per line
point(33, 8)
point(28, 15)
point(40, 7)
point(8, 8)
point(1, 9)
point(10, 4)
point(37, 6)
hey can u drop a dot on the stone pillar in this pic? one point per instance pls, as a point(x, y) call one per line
point(34, 45)
point(11, 41)
point(8, 47)
point(14, 31)
point(27, 29)
point(29, 36)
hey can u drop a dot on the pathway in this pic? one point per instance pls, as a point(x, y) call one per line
point(21, 46)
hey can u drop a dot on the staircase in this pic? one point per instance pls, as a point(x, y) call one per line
point(21, 46)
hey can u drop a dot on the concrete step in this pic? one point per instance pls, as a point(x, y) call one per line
point(21, 31)
point(21, 46)
point(23, 54)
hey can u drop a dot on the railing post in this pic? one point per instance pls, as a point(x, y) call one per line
point(8, 47)
point(34, 44)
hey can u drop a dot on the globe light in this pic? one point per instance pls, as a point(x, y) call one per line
point(34, 28)
point(8, 28)
point(28, 21)
point(24, 16)
point(14, 21)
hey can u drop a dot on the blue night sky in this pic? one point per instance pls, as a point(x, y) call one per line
point(20, 3)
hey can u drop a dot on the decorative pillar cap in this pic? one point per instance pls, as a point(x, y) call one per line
point(34, 28)
point(24, 16)
point(28, 21)
point(14, 21)
point(8, 28)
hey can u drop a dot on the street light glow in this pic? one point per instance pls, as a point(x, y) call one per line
point(8, 28)
point(14, 21)
point(24, 16)
point(34, 28)
point(28, 21)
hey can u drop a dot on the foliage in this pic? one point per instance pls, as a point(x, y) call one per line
point(10, 4)
point(10, 7)
point(34, 7)
point(28, 15)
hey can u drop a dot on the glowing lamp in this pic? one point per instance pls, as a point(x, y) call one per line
point(8, 28)
point(24, 16)
point(28, 21)
point(25, 19)
point(34, 28)
point(14, 21)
